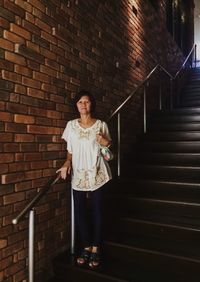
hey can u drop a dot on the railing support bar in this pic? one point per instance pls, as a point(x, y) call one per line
point(72, 248)
point(119, 145)
point(145, 110)
point(160, 91)
point(195, 56)
point(171, 94)
point(31, 245)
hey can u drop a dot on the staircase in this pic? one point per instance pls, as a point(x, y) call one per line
point(153, 219)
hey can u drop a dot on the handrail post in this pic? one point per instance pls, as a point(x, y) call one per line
point(72, 224)
point(171, 93)
point(31, 245)
point(145, 110)
point(119, 145)
point(160, 91)
point(195, 56)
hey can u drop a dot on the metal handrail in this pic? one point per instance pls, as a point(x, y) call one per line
point(184, 63)
point(139, 86)
point(158, 66)
point(30, 208)
point(120, 107)
point(36, 199)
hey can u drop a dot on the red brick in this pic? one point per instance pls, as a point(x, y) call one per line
point(6, 116)
point(16, 197)
point(12, 177)
point(35, 93)
point(6, 65)
point(15, 127)
point(24, 119)
point(48, 37)
point(6, 158)
point(12, 57)
point(48, 54)
point(31, 27)
point(33, 174)
point(6, 137)
point(14, 8)
point(3, 168)
point(4, 23)
point(41, 77)
point(15, 167)
point(23, 70)
point(42, 25)
point(15, 268)
point(38, 5)
point(19, 157)
point(54, 114)
point(22, 186)
point(39, 165)
point(24, 138)
point(24, 5)
point(11, 147)
point(45, 69)
point(3, 243)
point(20, 31)
point(11, 76)
point(20, 89)
point(58, 99)
point(43, 129)
point(32, 156)
point(49, 88)
point(54, 147)
point(7, 45)
point(30, 18)
point(13, 37)
point(16, 108)
point(37, 112)
point(5, 262)
point(31, 82)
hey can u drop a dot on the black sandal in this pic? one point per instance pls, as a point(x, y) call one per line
point(94, 260)
point(85, 255)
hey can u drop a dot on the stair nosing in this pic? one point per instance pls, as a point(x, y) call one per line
point(157, 223)
point(169, 255)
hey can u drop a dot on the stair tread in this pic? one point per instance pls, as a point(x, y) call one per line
point(117, 270)
point(165, 247)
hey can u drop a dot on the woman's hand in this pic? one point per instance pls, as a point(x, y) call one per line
point(102, 140)
point(65, 169)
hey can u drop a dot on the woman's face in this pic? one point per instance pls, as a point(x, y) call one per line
point(84, 105)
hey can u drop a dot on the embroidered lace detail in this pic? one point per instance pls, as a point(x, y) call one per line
point(86, 132)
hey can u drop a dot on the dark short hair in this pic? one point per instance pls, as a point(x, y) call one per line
point(89, 95)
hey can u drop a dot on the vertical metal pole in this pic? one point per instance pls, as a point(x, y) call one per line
point(119, 145)
point(171, 93)
point(72, 224)
point(31, 245)
point(145, 110)
point(160, 91)
point(195, 56)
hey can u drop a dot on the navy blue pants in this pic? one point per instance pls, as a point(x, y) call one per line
point(90, 231)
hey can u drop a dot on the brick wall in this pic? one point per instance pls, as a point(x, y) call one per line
point(48, 51)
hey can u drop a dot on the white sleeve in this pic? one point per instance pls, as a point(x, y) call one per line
point(105, 130)
point(67, 137)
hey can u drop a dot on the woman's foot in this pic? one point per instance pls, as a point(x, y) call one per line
point(84, 257)
point(95, 258)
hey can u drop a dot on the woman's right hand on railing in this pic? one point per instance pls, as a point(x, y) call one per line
point(65, 169)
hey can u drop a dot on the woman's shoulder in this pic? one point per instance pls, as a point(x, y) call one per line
point(72, 122)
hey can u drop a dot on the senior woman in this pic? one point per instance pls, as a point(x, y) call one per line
point(89, 172)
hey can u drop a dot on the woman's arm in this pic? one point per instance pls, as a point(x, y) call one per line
point(67, 167)
point(103, 140)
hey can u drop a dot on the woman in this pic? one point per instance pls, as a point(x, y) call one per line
point(85, 136)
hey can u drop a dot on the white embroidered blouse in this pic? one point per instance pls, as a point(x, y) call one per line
point(89, 170)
